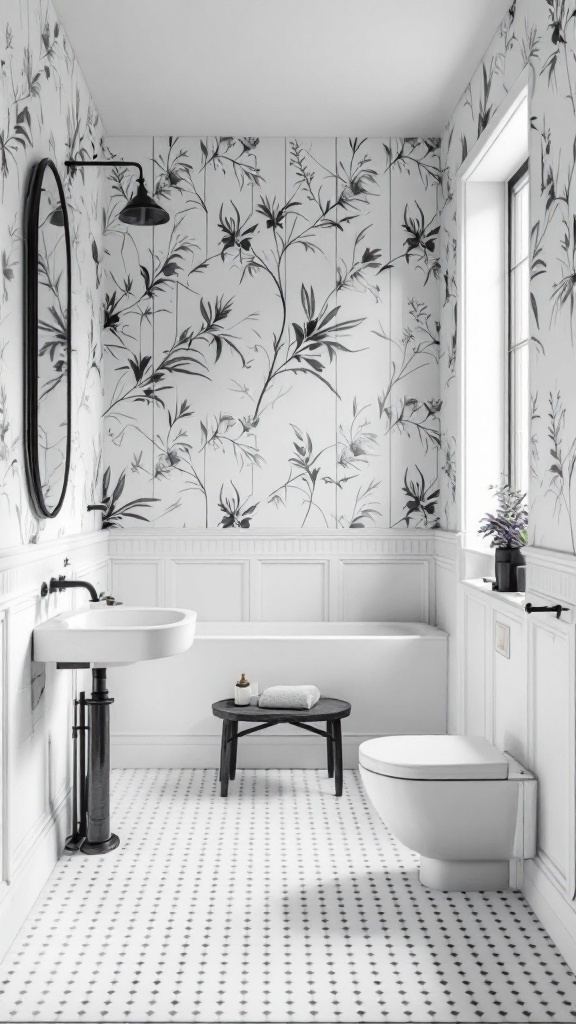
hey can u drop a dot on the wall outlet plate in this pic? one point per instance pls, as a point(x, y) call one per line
point(502, 639)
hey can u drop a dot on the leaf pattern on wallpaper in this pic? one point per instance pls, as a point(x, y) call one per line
point(535, 34)
point(422, 500)
point(244, 365)
point(46, 110)
point(563, 453)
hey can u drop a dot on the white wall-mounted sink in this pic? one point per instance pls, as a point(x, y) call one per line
point(114, 635)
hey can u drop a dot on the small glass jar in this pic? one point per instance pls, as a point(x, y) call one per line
point(242, 691)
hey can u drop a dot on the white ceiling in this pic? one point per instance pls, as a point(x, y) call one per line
point(278, 67)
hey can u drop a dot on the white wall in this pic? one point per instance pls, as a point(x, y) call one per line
point(36, 719)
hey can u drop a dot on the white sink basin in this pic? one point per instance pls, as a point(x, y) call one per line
point(114, 635)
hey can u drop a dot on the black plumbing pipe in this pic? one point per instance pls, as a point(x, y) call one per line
point(99, 838)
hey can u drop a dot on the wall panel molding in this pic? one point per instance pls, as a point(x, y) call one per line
point(24, 568)
point(226, 543)
point(4, 755)
point(551, 745)
point(529, 708)
point(552, 574)
point(262, 574)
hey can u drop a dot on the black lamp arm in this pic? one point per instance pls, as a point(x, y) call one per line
point(106, 163)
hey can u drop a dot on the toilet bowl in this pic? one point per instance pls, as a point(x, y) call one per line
point(467, 808)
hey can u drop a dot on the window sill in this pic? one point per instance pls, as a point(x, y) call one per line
point(516, 600)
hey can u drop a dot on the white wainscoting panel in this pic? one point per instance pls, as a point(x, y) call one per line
point(4, 750)
point(36, 713)
point(526, 705)
point(137, 582)
point(385, 590)
point(217, 590)
point(474, 665)
point(292, 591)
point(551, 745)
point(234, 575)
point(508, 692)
point(446, 592)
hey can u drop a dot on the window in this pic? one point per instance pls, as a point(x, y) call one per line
point(518, 330)
point(493, 311)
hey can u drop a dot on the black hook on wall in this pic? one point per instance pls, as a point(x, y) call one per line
point(557, 608)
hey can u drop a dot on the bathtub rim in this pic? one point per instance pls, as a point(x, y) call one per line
point(318, 631)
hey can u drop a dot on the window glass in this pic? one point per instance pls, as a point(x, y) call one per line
point(519, 332)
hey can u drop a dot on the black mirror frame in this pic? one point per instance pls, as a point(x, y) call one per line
point(31, 217)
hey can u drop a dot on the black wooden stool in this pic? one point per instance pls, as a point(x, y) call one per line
point(326, 710)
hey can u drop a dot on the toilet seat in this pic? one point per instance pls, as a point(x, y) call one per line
point(434, 757)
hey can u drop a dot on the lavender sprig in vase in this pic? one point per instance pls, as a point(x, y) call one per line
point(508, 532)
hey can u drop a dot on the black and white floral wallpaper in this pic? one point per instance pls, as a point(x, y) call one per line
point(271, 354)
point(283, 353)
point(46, 110)
point(540, 35)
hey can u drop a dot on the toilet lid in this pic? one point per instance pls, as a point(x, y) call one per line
point(433, 757)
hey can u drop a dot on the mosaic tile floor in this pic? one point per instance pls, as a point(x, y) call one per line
point(280, 903)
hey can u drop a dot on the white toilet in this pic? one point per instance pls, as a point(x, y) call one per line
point(464, 806)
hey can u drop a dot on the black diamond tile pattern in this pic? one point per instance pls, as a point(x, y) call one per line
point(279, 903)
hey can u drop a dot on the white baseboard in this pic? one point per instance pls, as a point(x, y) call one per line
point(137, 750)
point(556, 914)
point(18, 896)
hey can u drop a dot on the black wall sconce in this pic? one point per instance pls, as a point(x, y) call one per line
point(141, 210)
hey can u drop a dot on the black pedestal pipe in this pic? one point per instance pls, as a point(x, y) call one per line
point(99, 838)
point(91, 790)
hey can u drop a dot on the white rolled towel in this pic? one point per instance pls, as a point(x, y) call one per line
point(297, 697)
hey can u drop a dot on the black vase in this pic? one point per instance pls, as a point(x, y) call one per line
point(507, 562)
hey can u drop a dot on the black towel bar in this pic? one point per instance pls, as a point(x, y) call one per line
point(557, 608)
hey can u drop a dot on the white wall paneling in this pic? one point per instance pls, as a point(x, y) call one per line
point(524, 703)
point(447, 567)
point(138, 582)
point(218, 590)
point(385, 589)
point(476, 617)
point(507, 689)
point(4, 748)
point(36, 719)
point(259, 575)
point(551, 745)
point(293, 589)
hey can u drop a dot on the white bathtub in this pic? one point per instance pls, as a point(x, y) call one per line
point(393, 674)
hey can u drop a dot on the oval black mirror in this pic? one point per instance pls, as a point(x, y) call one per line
point(48, 346)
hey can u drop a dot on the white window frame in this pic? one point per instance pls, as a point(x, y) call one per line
point(520, 180)
point(482, 285)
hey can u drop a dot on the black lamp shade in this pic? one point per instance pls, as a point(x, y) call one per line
point(142, 210)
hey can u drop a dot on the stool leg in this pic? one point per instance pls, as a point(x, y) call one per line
point(330, 749)
point(233, 749)
point(224, 759)
point(337, 733)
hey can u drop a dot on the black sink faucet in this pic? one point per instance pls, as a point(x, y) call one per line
point(60, 584)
